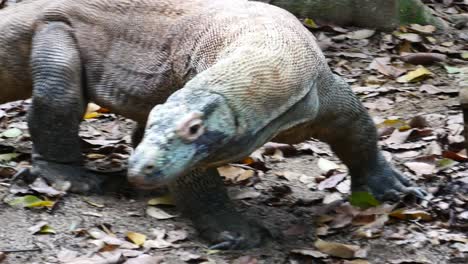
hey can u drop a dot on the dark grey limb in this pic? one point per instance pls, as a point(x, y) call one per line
point(202, 197)
point(344, 123)
point(58, 105)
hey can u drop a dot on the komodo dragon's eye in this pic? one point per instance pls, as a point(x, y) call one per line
point(191, 127)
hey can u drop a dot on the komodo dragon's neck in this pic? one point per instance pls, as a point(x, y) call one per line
point(16, 31)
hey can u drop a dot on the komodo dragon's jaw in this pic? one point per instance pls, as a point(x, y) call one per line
point(179, 135)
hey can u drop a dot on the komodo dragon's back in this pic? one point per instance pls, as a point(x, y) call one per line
point(138, 52)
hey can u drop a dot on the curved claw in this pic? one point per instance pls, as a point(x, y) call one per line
point(416, 191)
point(228, 242)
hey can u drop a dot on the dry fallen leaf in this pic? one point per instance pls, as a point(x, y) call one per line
point(112, 257)
point(423, 58)
point(41, 228)
point(162, 200)
point(372, 229)
point(158, 213)
point(11, 133)
point(383, 66)
point(145, 259)
point(410, 37)
point(360, 34)
point(234, 173)
point(176, 235)
point(410, 214)
point(31, 201)
point(415, 76)
point(327, 165)
point(340, 250)
point(421, 168)
point(136, 238)
point(331, 181)
point(159, 242)
point(309, 253)
point(424, 29)
point(332, 197)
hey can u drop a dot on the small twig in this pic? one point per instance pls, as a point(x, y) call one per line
point(20, 250)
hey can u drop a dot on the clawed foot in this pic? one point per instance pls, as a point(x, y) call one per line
point(237, 233)
point(388, 184)
point(64, 177)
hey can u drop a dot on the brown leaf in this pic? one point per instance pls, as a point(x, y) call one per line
point(423, 58)
point(309, 253)
point(454, 156)
point(373, 229)
point(424, 29)
point(340, 250)
point(410, 214)
point(411, 37)
point(431, 89)
point(383, 66)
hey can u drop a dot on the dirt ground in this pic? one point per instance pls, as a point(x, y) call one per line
point(299, 193)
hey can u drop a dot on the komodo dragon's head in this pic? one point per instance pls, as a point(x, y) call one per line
point(180, 135)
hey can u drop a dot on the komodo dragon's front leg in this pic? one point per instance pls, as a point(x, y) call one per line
point(345, 124)
point(58, 105)
point(202, 196)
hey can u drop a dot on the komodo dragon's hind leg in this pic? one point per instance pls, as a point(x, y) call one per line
point(344, 123)
point(202, 197)
point(58, 105)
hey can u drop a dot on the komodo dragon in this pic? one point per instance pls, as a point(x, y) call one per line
point(210, 80)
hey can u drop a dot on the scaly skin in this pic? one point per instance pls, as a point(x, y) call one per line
point(220, 78)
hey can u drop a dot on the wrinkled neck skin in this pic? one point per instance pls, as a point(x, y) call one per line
point(254, 128)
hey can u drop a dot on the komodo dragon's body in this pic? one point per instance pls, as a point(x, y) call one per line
point(228, 76)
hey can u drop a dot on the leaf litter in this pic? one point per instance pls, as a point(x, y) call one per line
point(429, 70)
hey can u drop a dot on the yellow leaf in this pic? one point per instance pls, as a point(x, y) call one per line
point(415, 76)
point(310, 23)
point(91, 115)
point(136, 238)
point(31, 201)
point(163, 200)
point(409, 214)
point(46, 230)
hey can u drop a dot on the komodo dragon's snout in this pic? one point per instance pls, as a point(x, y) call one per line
point(180, 134)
